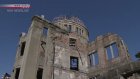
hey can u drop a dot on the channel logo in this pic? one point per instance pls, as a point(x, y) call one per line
point(15, 6)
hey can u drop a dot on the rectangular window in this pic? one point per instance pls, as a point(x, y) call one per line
point(93, 78)
point(74, 63)
point(80, 32)
point(77, 30)
point(17, 73)
point(45, 31)
point(115, 50)
point(65, 26)
point(94, 59)
point(109, 54)
point(112, 51)
point(96, 77)
point(69, 28)
point(39, 73)
point(22, 48)
point(72, 42)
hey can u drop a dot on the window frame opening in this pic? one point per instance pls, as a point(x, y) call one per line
point(22, 49)
point(69, 28)
point(39, 73)
point(45, 31)
point(72, 42)
point(77, 30)
point(94, 58)
point(74, 63)
point(17, 73)
point(112, 51)
point(95, 77)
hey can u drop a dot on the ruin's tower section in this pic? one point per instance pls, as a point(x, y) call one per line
point(53, 50)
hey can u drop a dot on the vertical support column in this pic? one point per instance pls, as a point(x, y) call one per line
point(93, 59)
point(29, 63)
point(124, 51)
point(106, 54)
point(49, 55)
point(101, 51)
point(112, 53)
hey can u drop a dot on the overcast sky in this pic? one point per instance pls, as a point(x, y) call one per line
point(99, 16)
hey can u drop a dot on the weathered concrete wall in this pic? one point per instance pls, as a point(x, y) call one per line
point(52, 53)
point(109, 69)
point(62, 57)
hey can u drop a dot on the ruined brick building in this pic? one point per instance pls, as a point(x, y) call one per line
point(61, 50)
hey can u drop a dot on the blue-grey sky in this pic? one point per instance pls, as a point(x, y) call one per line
point(100, 17)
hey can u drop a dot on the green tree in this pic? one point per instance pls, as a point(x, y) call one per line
point(137, 55)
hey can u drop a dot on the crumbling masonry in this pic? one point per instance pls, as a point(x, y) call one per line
point(61, 50)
